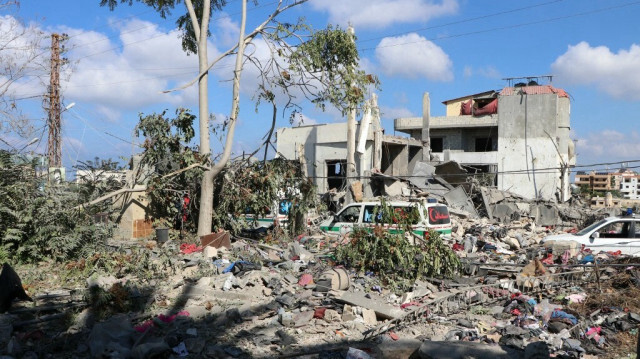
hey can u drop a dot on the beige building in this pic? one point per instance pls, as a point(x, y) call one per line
point(598, 181)
point(604, 202)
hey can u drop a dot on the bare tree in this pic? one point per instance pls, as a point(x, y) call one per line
point(317, 73)
point(21, 61)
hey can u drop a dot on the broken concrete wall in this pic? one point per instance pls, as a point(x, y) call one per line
point(133, 218)
point(322, 143)
point(458, 199)
point(545, 214)
point(529, 130)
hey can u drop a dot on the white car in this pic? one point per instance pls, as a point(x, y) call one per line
point(613, 234)
point(430, 215)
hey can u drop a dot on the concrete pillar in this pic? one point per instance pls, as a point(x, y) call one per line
point(377, 132)
point(426, 142)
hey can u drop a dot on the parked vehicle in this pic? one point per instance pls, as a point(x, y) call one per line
point(277, 214)
point(425, 215)
point(619, 233)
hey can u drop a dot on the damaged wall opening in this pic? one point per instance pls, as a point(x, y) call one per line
point(336, 174)
point(390, 158)
point(437, 144)
point(484, 144)
point(490, 176)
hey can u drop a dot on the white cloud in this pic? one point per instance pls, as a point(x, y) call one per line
point(227, 35)
point(109, 114)
point(383, 13)
point(21, 56)
point(116, 78)
point(394, 112)
point(617, 74)
point(413, 56)
point(607, 145)
point(468, 71)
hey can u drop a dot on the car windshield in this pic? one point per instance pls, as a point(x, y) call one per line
point(591, 228)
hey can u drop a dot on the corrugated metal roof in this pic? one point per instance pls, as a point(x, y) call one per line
point(477, 95)
point(533, 90)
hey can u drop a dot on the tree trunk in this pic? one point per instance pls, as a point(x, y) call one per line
point(206, 190)
point(206, 199)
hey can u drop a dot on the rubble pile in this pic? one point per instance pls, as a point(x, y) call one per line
point(236, 297)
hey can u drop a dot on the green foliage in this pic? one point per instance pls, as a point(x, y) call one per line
point(38, 221)
point(96, 182)
point(331, 57)
point(393, 258)
point(167, 150)
point(255, 187)
point(164, 7)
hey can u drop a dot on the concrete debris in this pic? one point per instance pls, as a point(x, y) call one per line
point(112, 338)
point(457, 199)
point(460, 350)
point(240, 298)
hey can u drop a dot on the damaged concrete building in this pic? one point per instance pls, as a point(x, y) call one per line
point(520, 134)
point(517, 138)
point(324, 147)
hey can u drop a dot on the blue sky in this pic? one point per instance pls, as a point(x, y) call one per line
point(122, 59)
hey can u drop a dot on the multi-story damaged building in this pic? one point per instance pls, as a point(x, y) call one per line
point(324, 147)
point(520, 134)
point(518, 137)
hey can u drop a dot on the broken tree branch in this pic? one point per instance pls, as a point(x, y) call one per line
point(141, 189)
point(247, 39)
point(109, 195)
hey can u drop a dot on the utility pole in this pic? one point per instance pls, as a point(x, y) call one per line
point(54, 151)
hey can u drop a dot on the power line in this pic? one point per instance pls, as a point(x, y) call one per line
point(507, 27)
point(399, 44)
point(26, 98)
point(130, 81)
point(461, 21)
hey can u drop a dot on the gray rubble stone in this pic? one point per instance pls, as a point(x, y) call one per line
point(303, 318)
point(113, 335)
point(331, 316)
point(347, 313)
point(369, 316)
point(459, 350)
point(194, 345)
point(286, 319)
point(150, 350)
point(537, 350)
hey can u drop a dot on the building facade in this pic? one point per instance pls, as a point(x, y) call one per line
point(625, 181)
point(629, 185)
point(598, 181)
point(519, 134)
point(324, 148)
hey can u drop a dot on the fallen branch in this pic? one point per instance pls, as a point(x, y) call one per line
point(141, 189)
point(109, 195)
point(185, 169)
